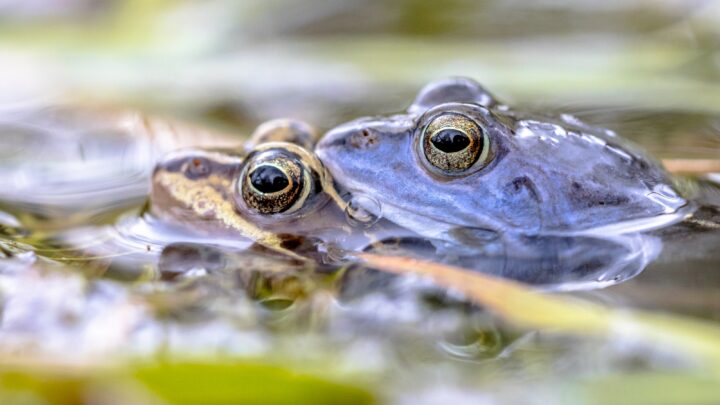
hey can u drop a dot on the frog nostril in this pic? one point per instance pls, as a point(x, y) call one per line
point(363, 139)
point(196, 168)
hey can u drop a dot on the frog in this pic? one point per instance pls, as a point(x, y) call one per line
point(462, 166)
point(271, 201)
point(273, 191)
point(277, 190)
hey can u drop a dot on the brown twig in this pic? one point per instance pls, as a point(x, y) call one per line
point(692, 166)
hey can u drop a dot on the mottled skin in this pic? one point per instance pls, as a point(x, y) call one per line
point(207, 192)
point(545, 176)
point(199, 190)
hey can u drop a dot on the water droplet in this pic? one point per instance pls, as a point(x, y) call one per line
point(665, 196)
point(544, 131)
point(331, 254)
point(363, 211)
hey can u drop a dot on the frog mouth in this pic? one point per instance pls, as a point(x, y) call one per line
point(429, 225)
point(434, 226)
point(641, 224)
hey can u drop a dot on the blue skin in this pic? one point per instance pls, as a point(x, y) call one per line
point(546, 176)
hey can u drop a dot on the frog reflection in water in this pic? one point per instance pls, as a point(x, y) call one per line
point(458, 165)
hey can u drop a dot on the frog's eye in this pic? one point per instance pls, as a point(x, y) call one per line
point(454, 143)
point(275, 181)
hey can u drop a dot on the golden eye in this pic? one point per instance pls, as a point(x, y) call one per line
point(454, 143)
point(274, 182)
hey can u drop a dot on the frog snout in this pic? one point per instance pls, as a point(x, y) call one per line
point(348, 138)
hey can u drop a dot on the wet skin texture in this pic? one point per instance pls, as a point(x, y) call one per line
point(208, 192)
point(217, 194)
point(540, 175)
point(271, 186)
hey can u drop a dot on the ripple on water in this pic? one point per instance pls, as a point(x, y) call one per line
point(68, 162)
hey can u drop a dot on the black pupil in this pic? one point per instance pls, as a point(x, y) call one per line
point(268, 179)
point(450, 140)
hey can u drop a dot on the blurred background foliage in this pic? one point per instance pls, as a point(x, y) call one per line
point(243, 62)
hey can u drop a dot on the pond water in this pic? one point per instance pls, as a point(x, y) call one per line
point(87, 273)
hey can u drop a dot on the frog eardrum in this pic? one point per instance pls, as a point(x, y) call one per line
point(277, 179)
point(453, 143)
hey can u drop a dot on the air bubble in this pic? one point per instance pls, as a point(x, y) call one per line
point(363, 211)
point(331, 254)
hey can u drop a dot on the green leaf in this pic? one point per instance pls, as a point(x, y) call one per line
point(244, 383)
